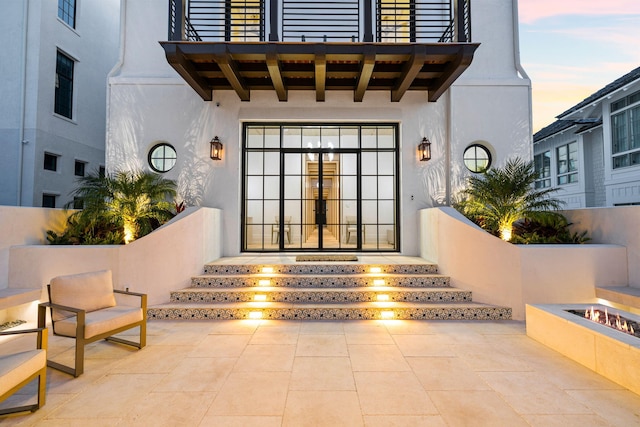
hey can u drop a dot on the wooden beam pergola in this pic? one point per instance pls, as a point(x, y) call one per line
point(320, 67)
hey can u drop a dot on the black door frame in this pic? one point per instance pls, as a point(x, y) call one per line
point(358, 151)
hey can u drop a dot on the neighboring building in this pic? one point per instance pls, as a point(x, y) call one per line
point(592, 152)
point(320, 107)
point(56, 56)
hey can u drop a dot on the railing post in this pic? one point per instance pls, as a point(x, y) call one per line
point(460, 35)
point(177, 20)
point(273, 21)
point(368, 21)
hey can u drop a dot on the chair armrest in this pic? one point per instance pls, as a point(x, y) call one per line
point(60, 307)
point(22, 331)
point(143, 297)
point(42, 338)
point(117, 291)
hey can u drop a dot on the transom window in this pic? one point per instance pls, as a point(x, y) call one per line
point(67, 12)
point(64, 85)
point(542, 164)
point(567, 156)
point(477, 158)
point(625, 130)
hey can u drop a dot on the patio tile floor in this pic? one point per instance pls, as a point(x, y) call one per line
point(292, 373)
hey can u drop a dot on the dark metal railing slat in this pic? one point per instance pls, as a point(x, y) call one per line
point(395, 21)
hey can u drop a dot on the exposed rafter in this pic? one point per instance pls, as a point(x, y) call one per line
point(321, 67)
point(273, 65)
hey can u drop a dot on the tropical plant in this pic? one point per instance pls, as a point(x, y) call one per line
point(118, 207)
point(548, 227)
point(499, 197)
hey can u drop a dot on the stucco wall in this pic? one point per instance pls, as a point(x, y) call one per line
point(162, 261)
point(25, 226)
point(515, 275)
point(614, 225)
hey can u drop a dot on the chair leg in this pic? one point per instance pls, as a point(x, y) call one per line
point(42, 388)
point(79, 358)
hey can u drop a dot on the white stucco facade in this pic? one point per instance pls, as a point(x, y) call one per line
point(148, 102)
point(28, 125)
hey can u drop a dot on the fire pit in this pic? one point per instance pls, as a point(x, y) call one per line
point(613, 320)
point(611, 353)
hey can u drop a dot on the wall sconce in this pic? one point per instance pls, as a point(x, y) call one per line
point(216, 149)
point(424, 150)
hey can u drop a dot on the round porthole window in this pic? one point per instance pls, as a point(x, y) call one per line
point(477, 158)
point(162, 157)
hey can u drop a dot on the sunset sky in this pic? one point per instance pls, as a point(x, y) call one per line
point(572, 48)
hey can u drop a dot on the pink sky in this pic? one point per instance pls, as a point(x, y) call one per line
point(532, 10)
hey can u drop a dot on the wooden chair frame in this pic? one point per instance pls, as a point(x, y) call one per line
point(80, 339)
point(41, 343)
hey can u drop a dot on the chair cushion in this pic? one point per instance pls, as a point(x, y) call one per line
point(87, 291)
point(15, 368)
point(100, 321)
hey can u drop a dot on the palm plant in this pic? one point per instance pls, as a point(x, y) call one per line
point(137, 201)
point(501, 196)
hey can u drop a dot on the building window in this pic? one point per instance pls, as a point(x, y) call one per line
point(625, 132)
point(162, 157)
point(78, 203)
point(101, 171)
point(477, 158)
point(64, 85)
point(48, 200)
point(67, 12)
point(542, 164)
point(50, 162)
point(79, 168)
point(567, 163)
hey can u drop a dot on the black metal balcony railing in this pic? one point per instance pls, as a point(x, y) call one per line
point(396, 21)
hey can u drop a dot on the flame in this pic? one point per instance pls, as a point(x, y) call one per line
point(612, 322)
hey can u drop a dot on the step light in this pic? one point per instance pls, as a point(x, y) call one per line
point(255, 315)
point(259, 297)
point(264, 282)
point(267, 269)
point(382, 297)
point(387, 314)
point(378, 282)
point(375, 270)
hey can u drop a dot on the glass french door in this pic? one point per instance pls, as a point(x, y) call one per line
point(319, 188)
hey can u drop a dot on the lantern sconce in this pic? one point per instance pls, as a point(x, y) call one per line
point(424, 150)
point(216, 149)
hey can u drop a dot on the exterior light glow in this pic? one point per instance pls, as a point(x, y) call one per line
point(387, 314)
point(267, 269)
point(260, 297)
point(382, 297)
point(378, 282)
point(216, 149)
point(255, 315)
point(264, 282)
point(424, 150)
point(375, 270)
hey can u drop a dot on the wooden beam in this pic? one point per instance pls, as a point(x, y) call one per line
point(230, 70)
point(187, 71)
point(409, 72)
point(275, 72)
point(452, 72)
point(320, 64)
point(366, 71)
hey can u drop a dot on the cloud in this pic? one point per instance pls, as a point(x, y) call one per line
point(533, 10)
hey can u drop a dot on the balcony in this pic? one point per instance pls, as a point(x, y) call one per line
point(283, 45)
